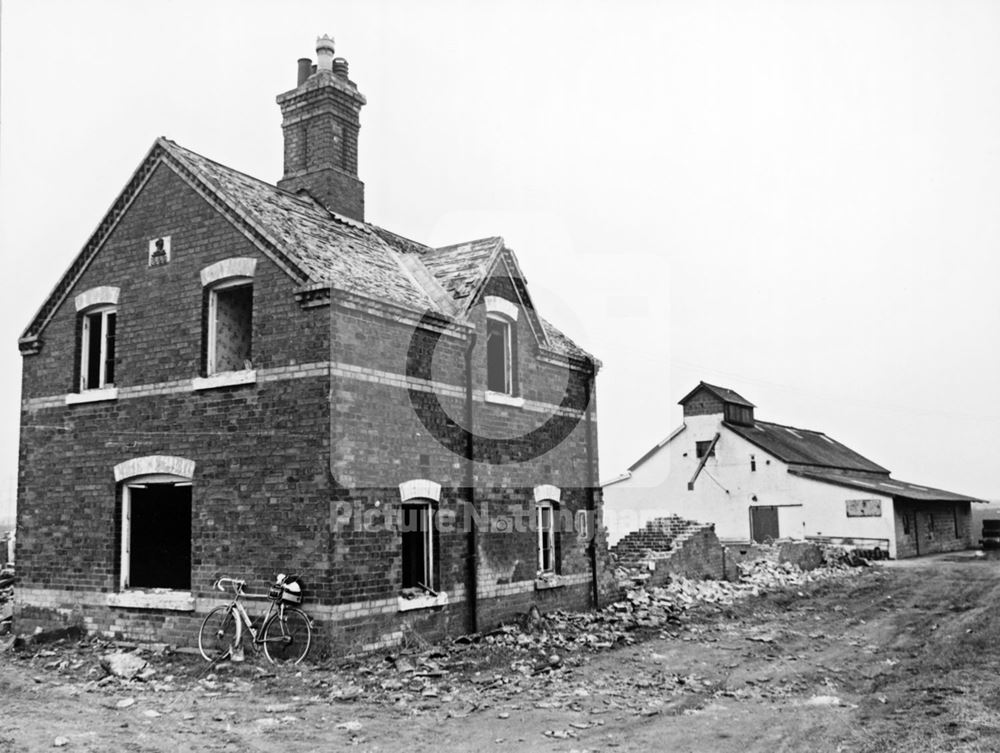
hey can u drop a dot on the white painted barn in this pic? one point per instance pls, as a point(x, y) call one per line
point(757, 480)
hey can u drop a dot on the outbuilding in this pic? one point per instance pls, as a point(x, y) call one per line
point(757, 480)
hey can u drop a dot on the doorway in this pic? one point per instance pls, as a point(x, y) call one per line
point(763, 523)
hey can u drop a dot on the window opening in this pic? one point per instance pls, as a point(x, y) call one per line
point(546, 538)
point(418, 546)
point(498, 356)
point(156, 535)
point(97, 352)
point(701, 448)
point(230, 327)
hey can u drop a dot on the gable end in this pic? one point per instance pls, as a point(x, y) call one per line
point(30, 341)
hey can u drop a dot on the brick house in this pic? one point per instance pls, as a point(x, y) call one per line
point(237, 378)
point(757, 480)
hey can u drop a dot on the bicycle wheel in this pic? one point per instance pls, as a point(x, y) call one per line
point(217, 634)
point(287, 636)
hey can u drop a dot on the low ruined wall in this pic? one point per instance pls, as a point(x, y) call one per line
point(698, 556)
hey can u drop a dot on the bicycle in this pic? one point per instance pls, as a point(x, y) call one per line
point(285, 631)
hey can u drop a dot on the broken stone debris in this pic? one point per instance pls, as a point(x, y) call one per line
point(125, 665)
point(535, 654)
point(541, 647)
point(657, 607)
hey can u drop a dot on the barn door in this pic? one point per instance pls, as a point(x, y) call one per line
point(763, 523)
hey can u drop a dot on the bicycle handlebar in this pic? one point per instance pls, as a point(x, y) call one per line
point(235, 582)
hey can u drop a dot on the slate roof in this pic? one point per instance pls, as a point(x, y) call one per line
point(887, 486)
point(328, 247)
point(459, 267)
point(319, 246)
point(804, 447)
point(723, 393)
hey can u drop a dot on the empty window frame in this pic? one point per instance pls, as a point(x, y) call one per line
point(545, 514)
point(229, 327)
point(97, 348)
point(156, 534)
point(906, 523)
point(499, 355)
point(417, 531)
point(701, 448)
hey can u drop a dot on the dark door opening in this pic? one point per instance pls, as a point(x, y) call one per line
point(160, 536)
point(763, 523)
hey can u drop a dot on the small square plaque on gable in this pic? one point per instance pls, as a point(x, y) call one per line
point(159, 251)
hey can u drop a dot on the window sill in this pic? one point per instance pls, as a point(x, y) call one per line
point(225, 379)
point(546, 581)
point(422, 602)
point(157, 598)
point(92, 396)
point(502, 398)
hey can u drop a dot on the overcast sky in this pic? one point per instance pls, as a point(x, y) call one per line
point(797, 200)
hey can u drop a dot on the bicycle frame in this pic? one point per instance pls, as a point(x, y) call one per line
point(284, 630)
point(244, 617)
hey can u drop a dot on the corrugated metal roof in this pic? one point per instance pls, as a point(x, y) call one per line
point(887, 486)
point(804, 447)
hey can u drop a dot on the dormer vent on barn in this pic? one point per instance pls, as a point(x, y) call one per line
point(707, 400)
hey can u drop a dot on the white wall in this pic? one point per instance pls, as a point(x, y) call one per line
point(724, 491)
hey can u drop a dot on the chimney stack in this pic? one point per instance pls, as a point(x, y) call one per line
point(320, 121)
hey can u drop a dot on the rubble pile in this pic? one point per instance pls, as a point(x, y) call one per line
point(529, 658)
point(658, 607)
point(594, 630)
point(531, 664)
point(766, 575)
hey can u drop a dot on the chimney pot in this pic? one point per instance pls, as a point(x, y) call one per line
point(340, 67)
point(305, 70)
point(324, 53)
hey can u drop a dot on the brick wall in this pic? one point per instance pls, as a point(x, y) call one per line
point(698, 555)
point(673, 546)
point(932, 528)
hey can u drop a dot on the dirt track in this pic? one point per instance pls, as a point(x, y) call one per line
point(903, 658)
